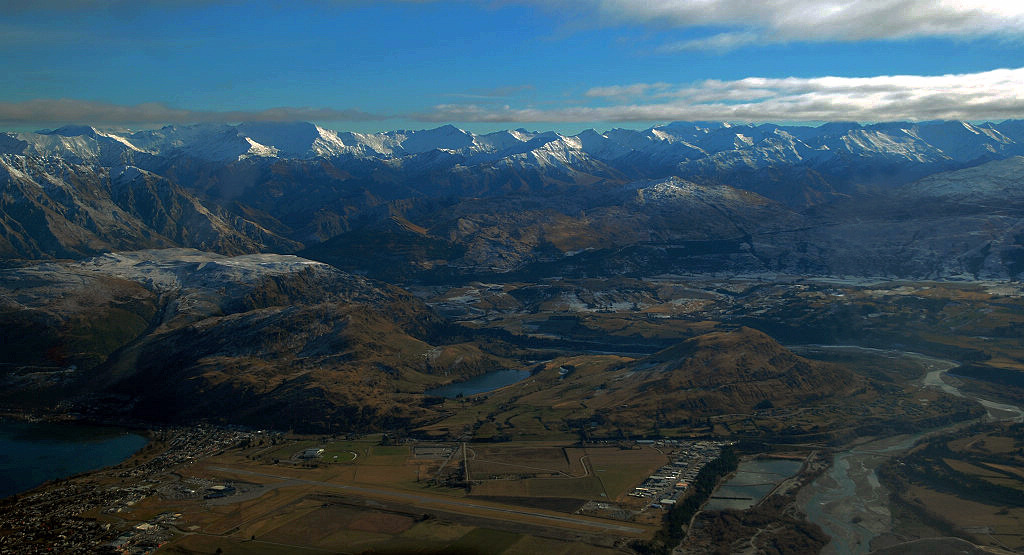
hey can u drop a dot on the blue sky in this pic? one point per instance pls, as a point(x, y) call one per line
point(486, 65)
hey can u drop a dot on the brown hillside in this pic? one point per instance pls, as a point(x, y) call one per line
point(725, 372)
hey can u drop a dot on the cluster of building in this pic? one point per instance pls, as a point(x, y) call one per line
point(147, 536)
point(665, 486)
point(186, 445)
point(48, 520)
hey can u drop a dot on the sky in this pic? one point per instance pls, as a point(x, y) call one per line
point(563, 65)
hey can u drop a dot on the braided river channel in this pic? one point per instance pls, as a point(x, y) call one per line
point(848, 501)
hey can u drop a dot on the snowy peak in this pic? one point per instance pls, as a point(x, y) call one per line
point(963, 141)
point(500, 141)
point(446, 137)
point(674, 191)
point(401, 143)
point(126, 174)
point(70, 131)
point(707, 148)
point(897, 143)
point(176, 268)
point(1000, 181)
point(80, 144)
point(258, 150)
point(293, 139)
point(208, 141)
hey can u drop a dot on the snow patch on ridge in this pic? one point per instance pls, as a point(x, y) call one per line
point(172, 269)
point(256, 149)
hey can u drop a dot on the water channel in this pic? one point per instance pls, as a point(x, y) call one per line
point(848, 501)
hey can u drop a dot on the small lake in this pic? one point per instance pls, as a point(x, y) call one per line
point(480, 384)
point(34, 452)
point(753, 480)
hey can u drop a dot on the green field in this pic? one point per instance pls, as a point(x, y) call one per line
point(484, 540)
point(620, 470)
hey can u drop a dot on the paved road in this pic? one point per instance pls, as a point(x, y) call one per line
point(456, 503)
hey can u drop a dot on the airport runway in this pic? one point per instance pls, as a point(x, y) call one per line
point(449, 503)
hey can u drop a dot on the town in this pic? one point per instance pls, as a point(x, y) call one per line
point(664, 487)
point(172, 491)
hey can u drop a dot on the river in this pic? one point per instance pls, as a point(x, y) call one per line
point(34, 452)
point(848, 501)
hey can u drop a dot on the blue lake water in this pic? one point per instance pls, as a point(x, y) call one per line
point(33, 452)
point(480, 384)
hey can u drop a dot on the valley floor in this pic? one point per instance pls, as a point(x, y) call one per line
point(588, 455)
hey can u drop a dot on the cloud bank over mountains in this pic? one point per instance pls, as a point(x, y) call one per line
point(990, 95)
point(996, 94)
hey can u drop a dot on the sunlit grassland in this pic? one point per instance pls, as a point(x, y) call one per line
point(622, 469)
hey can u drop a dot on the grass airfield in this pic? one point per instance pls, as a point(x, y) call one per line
point(523, 498)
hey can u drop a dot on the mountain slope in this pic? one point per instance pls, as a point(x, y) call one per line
point(54, 209)
point(176, 335)
point(559, 233)
point(965, 224)
point(720, 372)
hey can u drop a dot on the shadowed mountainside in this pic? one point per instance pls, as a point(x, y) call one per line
point(180, 335)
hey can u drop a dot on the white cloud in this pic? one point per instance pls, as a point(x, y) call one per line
point(803, 20)
point(731, 23)
point(625, 91)
point(771, 20)
point(736, 23)
point(997, 94)
point(722, 42)
point(990, 95)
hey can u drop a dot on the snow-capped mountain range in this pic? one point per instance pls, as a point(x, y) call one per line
point(798, 165)
point(674, 143)
point(837, 198)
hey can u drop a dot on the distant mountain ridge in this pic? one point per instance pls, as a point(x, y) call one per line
point(672, 143)
point(799, 165)
point(930, 199)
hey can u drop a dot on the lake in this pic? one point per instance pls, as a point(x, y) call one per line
point(34, 452)
point(480, 384)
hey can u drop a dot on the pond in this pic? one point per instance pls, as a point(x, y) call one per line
point(753, 480)
point(480, 384)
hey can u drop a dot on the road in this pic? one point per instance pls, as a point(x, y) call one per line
point(496, 512)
